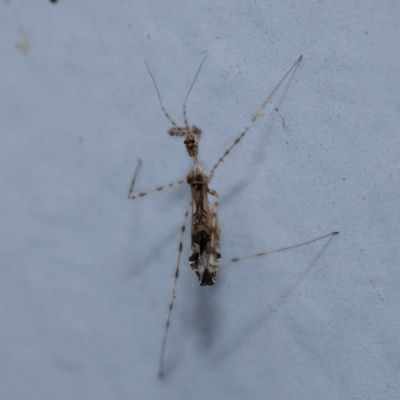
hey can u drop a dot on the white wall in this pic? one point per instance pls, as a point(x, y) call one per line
point(86, 274)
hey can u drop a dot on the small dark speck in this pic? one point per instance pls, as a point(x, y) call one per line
point(287, 142)
point(53, 1)
point(276, 109)
point(148, 36)
point(344, 179)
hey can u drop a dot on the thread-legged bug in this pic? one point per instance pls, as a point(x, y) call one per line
point(205, 257)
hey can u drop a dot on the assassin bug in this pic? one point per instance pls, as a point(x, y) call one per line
point(205, 256)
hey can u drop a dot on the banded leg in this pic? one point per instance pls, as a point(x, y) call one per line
point(164, 342)
point(256, 115)
point(135, 196)
point(277, 250)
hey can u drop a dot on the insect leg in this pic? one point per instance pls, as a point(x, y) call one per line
point(277, 250)
point(164, 342)
point(256, 115)
point(135, 196)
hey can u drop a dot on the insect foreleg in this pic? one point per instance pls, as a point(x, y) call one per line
point(135, 196)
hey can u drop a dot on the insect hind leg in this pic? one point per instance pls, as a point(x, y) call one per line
point(167, 324)
point(277, 250)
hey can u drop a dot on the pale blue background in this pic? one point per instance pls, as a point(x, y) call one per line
point(86, 275)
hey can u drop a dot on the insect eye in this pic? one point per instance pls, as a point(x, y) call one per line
point(193, 141)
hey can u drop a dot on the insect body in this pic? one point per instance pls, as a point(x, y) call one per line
point(204, 254)
point(205, 257)
point(205, 225)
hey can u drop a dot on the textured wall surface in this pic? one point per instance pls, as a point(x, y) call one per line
point(86, 274)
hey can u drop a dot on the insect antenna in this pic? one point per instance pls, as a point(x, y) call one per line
point(159, 97)
point(190, 89)
point(277, 250)
point(164, 342)
point(256, 115)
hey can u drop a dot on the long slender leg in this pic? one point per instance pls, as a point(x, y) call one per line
point(277, 250)
point(257, 114)
point(135, 196)
point(164, 342)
